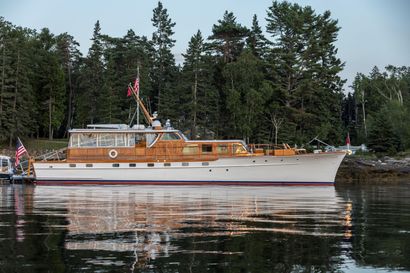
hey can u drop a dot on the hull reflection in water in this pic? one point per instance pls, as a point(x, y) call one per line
point(153, 221)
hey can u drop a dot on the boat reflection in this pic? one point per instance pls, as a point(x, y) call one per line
point(94, 228)
point(146, 220)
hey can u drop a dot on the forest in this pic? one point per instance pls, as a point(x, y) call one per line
point(282, 86)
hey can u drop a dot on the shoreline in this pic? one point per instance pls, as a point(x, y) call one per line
point(363, 170)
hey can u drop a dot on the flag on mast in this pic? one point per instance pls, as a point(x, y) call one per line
point(20, 150)
point(348, 139)
point(129, 91)
point(137, 85)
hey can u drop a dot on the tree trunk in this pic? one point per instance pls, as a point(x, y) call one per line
point(50, 127)
point(364, 114)
point(3, 75)
point(70, 100)
point(194, 112)
point(15, 100)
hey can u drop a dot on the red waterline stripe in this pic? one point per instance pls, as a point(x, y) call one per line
point(236, 183)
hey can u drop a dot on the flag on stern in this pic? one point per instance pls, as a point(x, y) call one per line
point(20, 150)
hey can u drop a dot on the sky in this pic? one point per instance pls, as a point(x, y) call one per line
point(373, 32)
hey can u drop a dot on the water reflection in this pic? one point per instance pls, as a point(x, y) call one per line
point(197, 229)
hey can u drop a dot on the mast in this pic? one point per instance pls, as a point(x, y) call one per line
point(138, 94)
point(147, 115)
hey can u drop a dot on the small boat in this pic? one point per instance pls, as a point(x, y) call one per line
point(156, 154)
point(6, 168)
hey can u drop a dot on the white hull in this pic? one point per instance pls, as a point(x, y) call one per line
point(299, 169)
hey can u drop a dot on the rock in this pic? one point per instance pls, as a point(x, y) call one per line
point(354, 169)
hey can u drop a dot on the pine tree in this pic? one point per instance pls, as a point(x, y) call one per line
point(164, 71)
point(305, 69)
point(382, 137)
point(228, 37)
point(92, 81)
point(70, 58)
point(256, 41)
point(244, 80)
point(50, 90)
point(199, 97)
point(16, 101)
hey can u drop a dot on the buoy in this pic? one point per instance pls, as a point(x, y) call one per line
point(112, 153)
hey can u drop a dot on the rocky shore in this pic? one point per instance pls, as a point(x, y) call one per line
point(362, 170)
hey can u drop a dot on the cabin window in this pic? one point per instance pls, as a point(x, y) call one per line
point(116, 165)
point(4, 163)
point(139, 138)
point(239, 149)
point(74, 140)
point(170, 136)
point(167, 164)
point(87, 140)
point(222, 149)
point(205, 163)
point(150, 164)
point(151, 139)
point(132, 165)
point(72, 165)
point(190, 149)
point(121, 140)
point(88, 165)
point(206, 148)
point(106, 140)
point(185, 164)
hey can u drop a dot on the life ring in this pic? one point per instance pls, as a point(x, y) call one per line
point(112, 153)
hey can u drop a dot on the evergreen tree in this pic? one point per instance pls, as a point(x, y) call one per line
point(256, 41)
point(305, 69)
point(92, 81)
point(199, 103)
point(16, 100)
point(70, 58)
point(382, 138)
point(51, 85)
point(228, 37)
point(244, 79)
point(163, 72)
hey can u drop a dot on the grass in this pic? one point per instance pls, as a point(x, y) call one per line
point(36, 146)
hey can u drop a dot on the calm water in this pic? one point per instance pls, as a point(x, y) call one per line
point(205, 229)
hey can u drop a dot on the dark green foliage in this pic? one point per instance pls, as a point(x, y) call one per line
point(228, 37)
point(304, 69)
point(382, 137)
point(199, 101)
point(236, 84)
point(163, 72)
point(256, 42)
point(91, 81)
point(389, 91)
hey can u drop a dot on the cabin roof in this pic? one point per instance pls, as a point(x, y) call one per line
point(130, 130)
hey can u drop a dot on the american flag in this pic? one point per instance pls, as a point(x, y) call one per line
point(20, 150)
point(137, 85)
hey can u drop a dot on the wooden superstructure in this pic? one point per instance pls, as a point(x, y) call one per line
point(123, 144)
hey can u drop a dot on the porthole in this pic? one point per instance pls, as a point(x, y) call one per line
point(72, 165)
point(116, 165)
point(185, 164)
point(150, 164)
point(88, 165)
point(132, 165)
point(205, 163)
point(167, 164)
